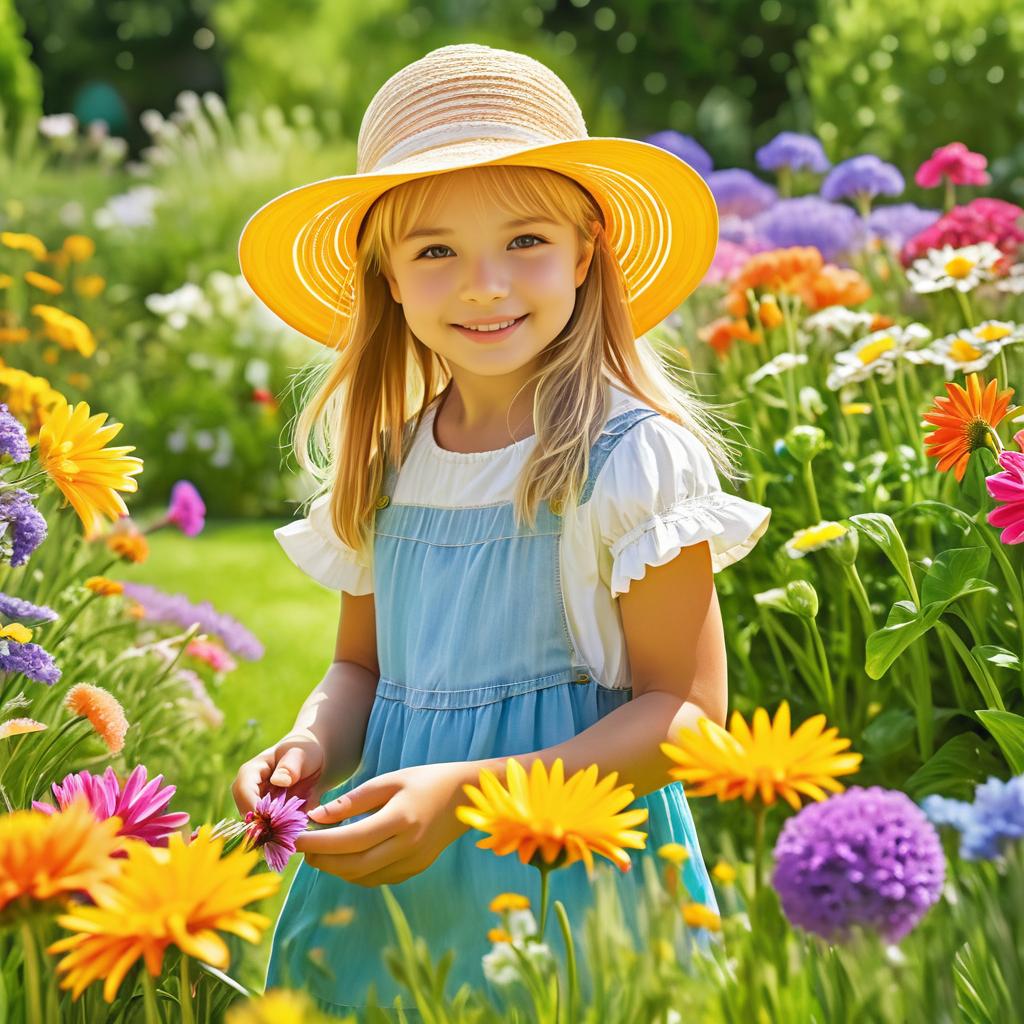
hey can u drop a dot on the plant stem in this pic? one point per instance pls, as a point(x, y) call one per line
point(570, 953)
point(883, 426)
point(149, 996)
point(759, 814)
point(965, 308)
point(812, 492)
point(30, 955)
point(545, 870)
point(185, 994)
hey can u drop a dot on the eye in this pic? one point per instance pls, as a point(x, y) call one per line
point(535, 237)
point(430, 248)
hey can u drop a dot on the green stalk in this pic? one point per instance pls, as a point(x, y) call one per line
point(30, 955)
point(812, 492)
point(883, 426)
point(759, 816)
point(965, 308)
point(185, 994)
point(828, 692)
point(149, 996)
point(570, 952)
point(986, 688)
point(545, 870)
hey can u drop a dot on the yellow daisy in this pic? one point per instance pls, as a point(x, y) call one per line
point(509, 901)
point(43, 282)
point(696, 915)
point(71, 450)
point(767, 761)
point(23, 240)
point(550, 821)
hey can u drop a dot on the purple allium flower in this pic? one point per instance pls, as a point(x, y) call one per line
point(28, 524)
point(18, 608)
point(898, 223)
point(274, 825)
point(994, 819)
point(866, 857)
point(865, 175)
point(178, 609)
point(29, 659)
point(810, 220)
point(139, 804)
point(795, 151)
point(685, 147)
point(738, 193)
point(13, 439)
point(187, 509)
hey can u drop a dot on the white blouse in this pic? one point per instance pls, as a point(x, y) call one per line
point(657, 493)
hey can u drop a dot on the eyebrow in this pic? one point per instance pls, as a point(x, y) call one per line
point(434, 232)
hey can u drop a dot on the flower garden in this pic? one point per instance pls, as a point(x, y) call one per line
point(862, 813)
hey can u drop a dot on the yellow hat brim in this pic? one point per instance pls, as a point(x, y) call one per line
point(298, 251)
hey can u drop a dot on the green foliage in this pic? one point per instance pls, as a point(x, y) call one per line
point(21, 87)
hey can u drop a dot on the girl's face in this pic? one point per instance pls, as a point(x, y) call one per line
point(470, 265)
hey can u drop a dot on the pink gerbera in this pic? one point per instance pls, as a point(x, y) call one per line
point(213, 654)
point(187, 509)
point(956, 163)
point(1008, 487)
point(274, 825)
point(139, 804)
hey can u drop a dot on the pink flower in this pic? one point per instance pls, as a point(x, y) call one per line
point(1008, 487)
point(730, 258)
point(139, 804)
point(187, 509)
point(955, 162)
point(212, 654)
point(981, 220)
point(274, 825)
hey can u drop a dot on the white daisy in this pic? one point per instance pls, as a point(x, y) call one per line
point(1013, 282)
point(782, 362)
point(814, 538)
point(963, 269)
point(839, 320)
point(959, 352)
point(875, 354)
point(999, 333)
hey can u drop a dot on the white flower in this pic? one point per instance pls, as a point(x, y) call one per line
point(131, 209)
point(521, 924)
point(963, 269)
point(1013, 282)
point(814, 538)
point(501, 965)
point(782, 362)
point(178, 306)
point(838, 320)
point(58, 126)
point(960, 352)
point(875, 354)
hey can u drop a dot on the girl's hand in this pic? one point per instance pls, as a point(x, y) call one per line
point(415, 823)
point(293, 763)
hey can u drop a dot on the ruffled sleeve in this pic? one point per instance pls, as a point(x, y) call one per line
point(659, 492)
point(316, 549)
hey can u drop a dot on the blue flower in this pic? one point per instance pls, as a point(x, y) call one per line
point(29, 659)
point(994, 819)
point(686, 148)
point(28, 525)
point(795, 151)
point(13, 439)
point(865, 175)
point(17, 608)
point(810, 220)
point(739, 193)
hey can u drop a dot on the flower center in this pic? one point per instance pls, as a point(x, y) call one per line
point(992, 332)
point(959, 266)
point(870, 352)
point(963, 351)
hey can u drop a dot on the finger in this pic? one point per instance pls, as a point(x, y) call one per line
point(365, 797)
point(394, 873)
point(289, 768)
point(354, 838)
point(247, 788)
point(354, 866)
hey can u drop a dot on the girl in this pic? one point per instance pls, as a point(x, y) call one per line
point(520, 507)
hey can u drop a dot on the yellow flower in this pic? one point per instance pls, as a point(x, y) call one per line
point(19, 726)
point(131, 546)
point(68, 331)
point(674, 853)
point(88, 474)
point(48, 857)
point(104, 586)
point(90, 285)
point(768, 761)
point(103, 710)
point(16, 240)
point(43, 283)
point(723, 872)
point(696, 915)
point(181, 895)
point(79, 247)
point(14, 335)
point(339, 916)
point(16, 631)
point(6, 280)
point(498, 935)
point(509, 901)
point(279, 1006)
point(550, 821)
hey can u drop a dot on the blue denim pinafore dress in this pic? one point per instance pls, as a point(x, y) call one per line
point(476, 661)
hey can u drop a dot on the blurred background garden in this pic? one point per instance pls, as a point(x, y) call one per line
point(136, 139)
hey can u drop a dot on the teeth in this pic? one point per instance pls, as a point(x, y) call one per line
point(491, 327)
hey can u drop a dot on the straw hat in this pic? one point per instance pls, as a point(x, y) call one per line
point(466, 106)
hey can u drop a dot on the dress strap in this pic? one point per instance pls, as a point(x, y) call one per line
point(614, 431)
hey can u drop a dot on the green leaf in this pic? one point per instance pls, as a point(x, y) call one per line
point(954, 769)
point(882, 530)
point(998, 656)
point(888, 733)
point(955, 572)
point(1008, 731)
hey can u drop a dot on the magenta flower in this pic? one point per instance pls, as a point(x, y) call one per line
point(274, 825)
point(139, 804)
point(186, 509)
point(954, 162)
point(982, 220)
point(212, 654)
point(1008, 487)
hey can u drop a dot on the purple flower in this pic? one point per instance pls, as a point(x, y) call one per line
point(686, 148)
point(898, 223)
point(866, 175)
point(809, 220)
point(187, 509)
point(13, 439)
point(29, 659)
point(274, 825)
point(738, 193)
point(139, 805)
point(178, 609)
point(27, 523)
point(994, 819)
point(866, 857)
point(795, 151)
point(18, 608)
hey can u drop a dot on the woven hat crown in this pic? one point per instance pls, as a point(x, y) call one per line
point(461, 96)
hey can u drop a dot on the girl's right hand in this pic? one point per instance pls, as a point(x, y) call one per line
point(294, 764)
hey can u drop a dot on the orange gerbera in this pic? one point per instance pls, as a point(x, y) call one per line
point(71, 450)
point(721, 333)
point(964, 420)
point(549, 821)
point(104, 711)
point(833, 286)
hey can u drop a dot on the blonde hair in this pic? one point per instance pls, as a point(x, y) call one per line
point(369, 400)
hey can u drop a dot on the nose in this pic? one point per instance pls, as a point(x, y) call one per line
point(486, 282)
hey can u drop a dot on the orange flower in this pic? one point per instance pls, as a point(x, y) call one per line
point(964, 420)
point(90, 285)
point(879, 322)
point(768, 312)
point(132, 547)
point(832, 286)
point(697, 915)
point(79, 247)
point(498, 935)
point(102, 709)
point(19, 726)
point(14, 334)
point(103, 586)
point(137, 610)
point(721, 333)
point(43, 283)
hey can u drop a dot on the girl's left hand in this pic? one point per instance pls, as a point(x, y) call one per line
point(415, 823)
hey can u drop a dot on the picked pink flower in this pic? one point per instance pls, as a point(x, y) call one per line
point(212, 654)
point(187, 509)
point(275, 823)
point(955, 162)
point(1008, 487)
point(139, 804)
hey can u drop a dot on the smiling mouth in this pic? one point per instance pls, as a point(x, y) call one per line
point(489, 333)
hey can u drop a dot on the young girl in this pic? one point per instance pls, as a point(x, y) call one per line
point(520, 507)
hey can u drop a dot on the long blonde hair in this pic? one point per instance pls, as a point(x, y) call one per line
point(360, 409)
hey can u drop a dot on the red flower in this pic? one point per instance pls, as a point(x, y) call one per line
point(981, 220)
point(955, 162)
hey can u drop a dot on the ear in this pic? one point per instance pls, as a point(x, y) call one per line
point(393, 286)
point(583, 264)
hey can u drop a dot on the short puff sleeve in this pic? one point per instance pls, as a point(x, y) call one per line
point(316, 549)
point(659, 492)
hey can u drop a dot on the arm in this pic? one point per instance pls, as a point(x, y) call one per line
point(676, 648)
